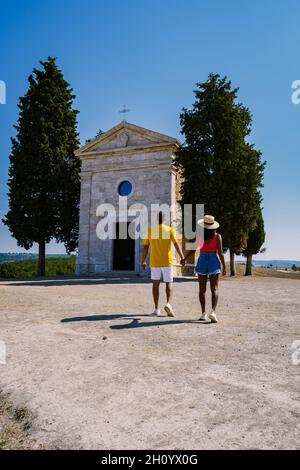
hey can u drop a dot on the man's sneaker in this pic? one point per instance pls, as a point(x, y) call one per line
point(212, 317)
point(203, 317)
point(156, 312)
point(169, 310)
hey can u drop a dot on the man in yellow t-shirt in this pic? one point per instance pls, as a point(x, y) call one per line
point(159, 239)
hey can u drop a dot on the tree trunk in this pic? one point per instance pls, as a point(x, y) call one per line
point(248, 271)
point(42, 258)
point(232, 263)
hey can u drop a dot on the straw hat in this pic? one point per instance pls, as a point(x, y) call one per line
point(209, 222)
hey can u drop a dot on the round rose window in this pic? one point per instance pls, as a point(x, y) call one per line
point(125, 188)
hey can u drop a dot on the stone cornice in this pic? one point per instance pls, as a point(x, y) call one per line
point(160, 167)
point(127, 151)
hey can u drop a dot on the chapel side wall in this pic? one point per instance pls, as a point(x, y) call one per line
point(82, 262)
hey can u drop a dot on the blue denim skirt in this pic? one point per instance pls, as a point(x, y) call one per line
point(208, 264)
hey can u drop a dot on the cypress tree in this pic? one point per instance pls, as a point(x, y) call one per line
point(44, 180)
point(219, 168)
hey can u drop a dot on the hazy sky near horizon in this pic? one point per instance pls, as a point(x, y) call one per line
point(149, 55)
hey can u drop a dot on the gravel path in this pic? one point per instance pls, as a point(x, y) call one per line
point(96, 371)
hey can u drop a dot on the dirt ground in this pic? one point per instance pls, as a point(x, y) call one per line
point(95, 371)
point(15, 426)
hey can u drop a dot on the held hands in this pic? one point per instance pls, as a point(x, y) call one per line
point(182, 261)
point(144, 265)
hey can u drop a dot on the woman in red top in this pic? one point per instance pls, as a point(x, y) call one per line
point(209, 265)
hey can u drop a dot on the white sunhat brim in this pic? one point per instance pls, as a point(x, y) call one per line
point(209, 226)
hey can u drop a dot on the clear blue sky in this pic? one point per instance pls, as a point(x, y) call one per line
point(149, 55)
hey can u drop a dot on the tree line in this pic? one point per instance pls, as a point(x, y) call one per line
point(220, 168)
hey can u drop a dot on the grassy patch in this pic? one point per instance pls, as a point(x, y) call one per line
point(28, 268)
point(265, 272)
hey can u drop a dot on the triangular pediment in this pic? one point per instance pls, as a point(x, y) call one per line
point(126, 136)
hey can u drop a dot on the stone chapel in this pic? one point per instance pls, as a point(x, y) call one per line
point(130, 161)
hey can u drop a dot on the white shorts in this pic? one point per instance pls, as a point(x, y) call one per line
point(165, 273)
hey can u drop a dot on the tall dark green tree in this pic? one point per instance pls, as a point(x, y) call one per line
point(255, 241)
point(219, 167)
point(44, 180)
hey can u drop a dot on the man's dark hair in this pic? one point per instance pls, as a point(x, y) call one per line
point(160, 217)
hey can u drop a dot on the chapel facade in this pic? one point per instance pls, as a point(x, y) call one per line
point(128, 161)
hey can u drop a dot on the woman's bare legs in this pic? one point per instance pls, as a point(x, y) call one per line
point(202, 289)
point(214, 287)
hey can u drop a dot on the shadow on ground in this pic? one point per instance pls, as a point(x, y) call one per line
point(104, 317)
point(135, 322)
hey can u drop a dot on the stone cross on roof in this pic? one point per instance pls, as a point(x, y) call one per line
point(124, 111)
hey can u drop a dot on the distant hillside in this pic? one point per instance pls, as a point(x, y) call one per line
point(276, 263)
point(9, 257)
